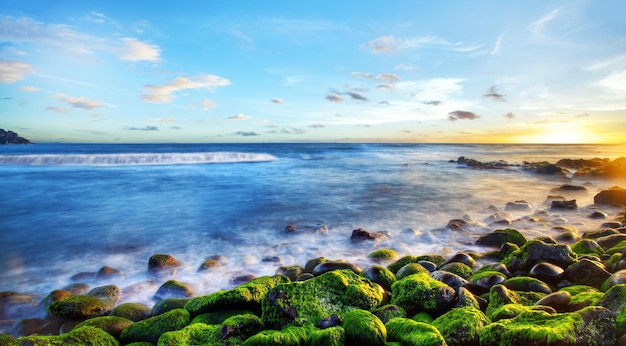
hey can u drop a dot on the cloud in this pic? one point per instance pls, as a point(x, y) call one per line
point(134, 50)
point(99, 18)
point(356, 96)
point(383, 102)
point(433, 103)
point(383, 44)
point(277, 101)
point(363, 75)
point(29, 89)
point(509, 115)
point(164, 93)
point(246, 133)
point(334, 98)
point(79, 102)
point(615, 82)
point(498, 45)
point(12, 71)
point(57, 109)
point(168, 120)
point(175, 128)
point(389, 44)
point(316, 126)
point(146, 128)
point(207, 104)
point(494, 95)
point(239, 117)
point(384, 86)
point(432, 89)
point(457, 115)
point(292, 131)
point(384, 77)
point(405, 67)
point(537, 27)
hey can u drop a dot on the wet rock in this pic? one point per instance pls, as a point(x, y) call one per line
point(461, 326)
point(499, 237)
point(395, 266)
point(364, 328)
point(518, 206)
point(428, 265)
point(241, 279)
point(482, 281)
point(408, 332)
point(587, 246)
point(383, 255)
point(462, 258)
point(173, 289)
point(240, 326)
point(614, 196)
point(420, 292)
point(168, 304)
point(209, 265)
point(549, 169)
point(308, 302)
point(587, 272)
point(83, 277)
point(39, 326)
point(610, 241)
point(298, 229)
point(331, 321)
point(598, 215)
point(363, 235)
point(558, 300)
point(163, 264)
point(450, 279)
point(536, 251)
point(600, 233)
point(611, 224)
point(617, 278)
point(458, 268)
point(564, 205)
point(108, 273)
point(410, 269)
point(312, 263)
point(80, 336)
point(499, 218)
point(110, 324)
point(379, 275)
point(53, 297)
point(292, 272)
point(546, 272)
point(527, 284)
point(388, 312)
point(108, 292)
point(132, 311)
point(152, 328)
point(77, 288)
point(569, 188)
point(335, 265)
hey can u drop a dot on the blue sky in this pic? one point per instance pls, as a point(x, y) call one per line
point(281, 71)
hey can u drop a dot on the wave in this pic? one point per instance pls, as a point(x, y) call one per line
point(133, 159)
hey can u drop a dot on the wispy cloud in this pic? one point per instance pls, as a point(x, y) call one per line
point(537, 27)
point(12, 71)
point(57, 109)
point(316, 126)
point(498, 45)
point(164, 93)
point(390, 44)
point(334, 98)
point(29, 89)
point(406, 67)
point(79, 102)
point(433, 103)
point(457, 115)
point(246, 133)
point(494, 95)
point(384, 77)
point(133, 50)
point(277, 101)
point(614, 82)
point(292, 131)
point(239, 117)
point(509, 115)
point(356, 96)
point(146, 128)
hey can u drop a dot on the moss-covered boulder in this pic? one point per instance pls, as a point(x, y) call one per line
point(582, 296)
point(364, 328)
point(395, 266)
point(587, 246)
point(110, 324)
point(383, 255)
point(461, 326)
point(410, 269)
point(614, 299)
point(333, 336)
point(240, 326)
point(388, 312)
point(527, 284)
point(217, 317)
point(458, 268)
point(379, 275)
point(501, 236)
point(590, 326)
point(151, 328)
point(173, 289)
point(307, 302)
point(80, 307)
point(195, 334)
point(244, 297)
point(536, 251)
point(132, 311)
point(85, 335)
point(420, 292)
point(500, 297)
point(168, 304)
point(412, 333)
point(290, 336)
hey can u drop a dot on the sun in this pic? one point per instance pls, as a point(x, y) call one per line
point(562, 138)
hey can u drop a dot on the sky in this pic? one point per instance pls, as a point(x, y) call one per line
point(284, 71)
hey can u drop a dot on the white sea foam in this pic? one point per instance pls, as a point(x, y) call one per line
point(133, 159)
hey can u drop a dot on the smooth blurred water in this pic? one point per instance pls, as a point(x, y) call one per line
point(68, 208)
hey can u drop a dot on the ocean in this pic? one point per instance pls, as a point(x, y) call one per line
point(71, 208)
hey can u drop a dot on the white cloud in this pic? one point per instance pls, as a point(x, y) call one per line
point(57, 109)
point(405, 67)
point(207, 104)
point(164, 93)
point(498, 45)
point(239, 117)
point(134, 50)
point(79, 102)
point(12, 71)
point(29, 89)
point(615, 82)
point(277, 101)
point(613, 62)
point(389, 44)
point(438, 89)
point(538, 26)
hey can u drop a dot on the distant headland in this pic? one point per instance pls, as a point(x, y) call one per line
point(10, 137)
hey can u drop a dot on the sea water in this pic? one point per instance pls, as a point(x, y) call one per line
point(70, 208)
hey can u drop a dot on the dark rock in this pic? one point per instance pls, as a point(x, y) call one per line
point(600, 233)
point(108, 292)
point(428, 265)
point(527, 284)
point(331, 321)
point(209, 265)
point(132, 311)
point(10, 137)
point(547, 272)
point(483, 281)
point(569, 188)
point(587, 246)
point(420, 292)
point(536, 251)
point(108, 273)
point(462, 258)
point(450, 279)
point(335, 265)
point(163, 264)
point(617, 278)
point(587, 272)
point(83, 277)
point(241, 279)
point(39, 326)
point(292, 272)
point(168, 304)
point(388, 312)
point(612, 224)
point(410, 269)
point(614, 196)
point(564, 205)
point(379, 275)
point(558, 300)
point(499, 237)
point(363, 235)
point(53, 297)
point(598, 215)
point(173, 289)
point(312, 263)
point(609, 241)
point(517, 206)
point(77, 288)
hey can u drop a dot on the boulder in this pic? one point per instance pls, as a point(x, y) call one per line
point(614, 196)
point(536, 251)
point(173, 289)
point(85, 335)
point(163, 264)
point(461, 326)
point(420, 292)
point(409, 332)
point(334, 336)
point(364, 328)
point(152, 328)
point(111, 324)
point(132, 311)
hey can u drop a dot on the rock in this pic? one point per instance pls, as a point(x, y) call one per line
point(108, 273)
point(173, 289)
point(132, 311)
point(458, 268)
point(193, 334)
point(614, 299)
point(240, 327)
point(209, 265)
point(611, 224)
point(587, 246)
point(362, 235)
point(411, 269)
point(77, 288)
point(596, 214)
point(499, 218)
point(335, 336)
point(53, 297)
point(450, 279)
point(518, 206)
point(461, 326)
point(38, 326)
point(383, 255)
point(420, 292)
point(546, 272)
point(292, 272)
point(462, 258)
point(527, 284)
point(395, 266)
point(241, 279)
point(335, 265)
point(162, 264)
point(499, 237)
point(245, 297)
point(558, 300)
point(380, 275)
point(536, 251)
point(308, 302)
point(610, 241)
point(81, 307)
point(564, 205)
point(387, 312)
point(111, 324)
point(151, 328)
point(617, 278)
point(331, 321)
point(482, 281)
point(614, 196)
point(364, 328)
point(287, 336)
point(312, 263)
point(14, 305)
point(409, 332)
point(108, 292)
point(587, 272)
point(217, 317)
point(428, 265)
point(80, 336)
point(569, 188)
point(549, 169)
point(10, 137)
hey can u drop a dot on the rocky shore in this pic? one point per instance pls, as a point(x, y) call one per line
point(10, 137)
point(565, 289)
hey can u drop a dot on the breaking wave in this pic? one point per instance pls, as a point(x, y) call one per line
point(133, 159)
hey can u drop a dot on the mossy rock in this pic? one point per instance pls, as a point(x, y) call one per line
point(422, 317)
point(527, 284)
point(290, 336)
point(173, 289)
point(292, 272)
point(387, 312)
point(499, 296)
point(364, 328)
point(458, 268)
point(245, 297)
point(420, 292)
point(461, 326)
point(307, 302)
point(410, 269)
point(617, 248)
point(217, 317)
point(383, 255)
point(333, 336)
point(168, 304)
point(55, 296)
point(132, 311)
point(412, 333)
point(80, 307)
point(587, 246)
point(615, 298)
point(379, 275)
point(582, 296)
point(312, 263)
point(240, 326)
point(620, 323)
point(395, 266)
point(590, 326)
point(501, 236)
point(195, 334)
point(151, 328)
point(108, 292)
point(110, 324)
point(535, 251)
point(80, 336)
point(6, 340)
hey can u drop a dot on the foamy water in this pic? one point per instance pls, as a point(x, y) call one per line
point(74, 208)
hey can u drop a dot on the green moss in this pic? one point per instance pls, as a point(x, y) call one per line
point(217, 317)
point(620, 323)
point(420, 292)
point(196, 334)
point(290, 336)
point(364, 328)
point(535, 251)
point(499, 296)
point(395, 266)
point(422, 317)
point(110, 324)
point(245, 297)
point(410, 269)
point(461, 326)
point(387, 312)
point(151, 328)
point(334, 336)
point(383, 255)
point(501, 236)
point(80, 336)
point(587, 246)
point(168, 304)
point(411, 333)
point(526, 283)
point(7, 340)
point(132, 311)
point(533, 327)
point(308, 302)
point(241, 326)
point(480, 274)
point(458, 268)
point(312, 263)
point(582, 296)
point(507, 311)
point(292, 272)
point(80, 307)
point(379, 275)
point(617, 248)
